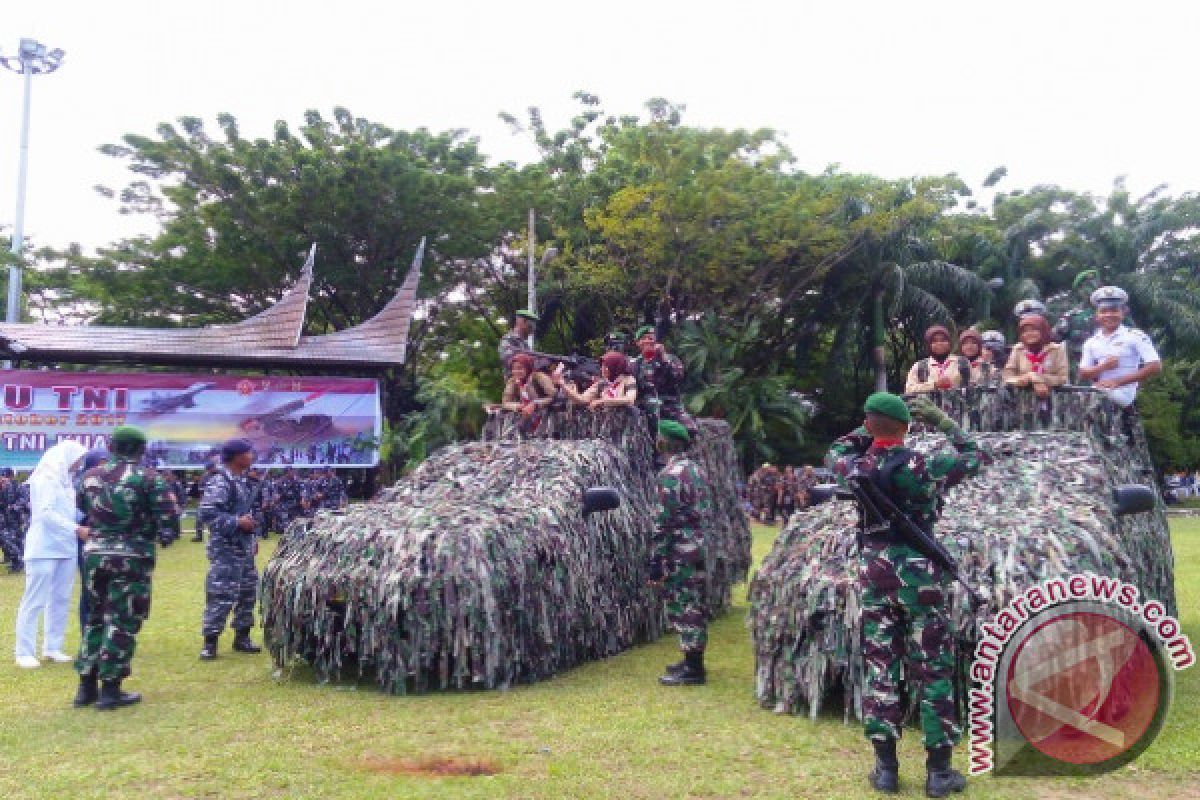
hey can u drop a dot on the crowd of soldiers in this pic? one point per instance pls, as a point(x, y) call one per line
point(279, 498)
point(774, 494)
point(14, 518)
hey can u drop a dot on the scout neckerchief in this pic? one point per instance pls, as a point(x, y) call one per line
point(1036, 360)
point(941, 366)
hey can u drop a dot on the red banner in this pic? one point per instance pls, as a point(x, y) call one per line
point(301, 422)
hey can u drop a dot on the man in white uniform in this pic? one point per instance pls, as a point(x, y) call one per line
point(1117, 358)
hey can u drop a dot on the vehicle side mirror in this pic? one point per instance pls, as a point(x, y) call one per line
point(822, 492)
point(600, 498)
point(1132, 498)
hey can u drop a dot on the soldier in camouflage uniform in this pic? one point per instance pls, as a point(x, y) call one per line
point(12, 535)
point(124, 505)
point(678, 551)
point(906, 631)
point(517, 339)
point(659, 382)
point(209, 471)
point(232, 582)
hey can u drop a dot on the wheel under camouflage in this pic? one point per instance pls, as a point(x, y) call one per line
point(480, 569)
point(1042, 510)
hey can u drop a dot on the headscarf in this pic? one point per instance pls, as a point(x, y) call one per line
point(55, 465)
point(970, 334)
point(1035, 321)
point(934, 330)
point(616, 363)
point(524, 359)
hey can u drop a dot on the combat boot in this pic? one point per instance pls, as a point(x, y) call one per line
point(941, 779)
point(885, 776)
point(209, 651)
point(692, 674)
point(676, 668)
point(112, 698)
point(89, 691)
point(242, 643)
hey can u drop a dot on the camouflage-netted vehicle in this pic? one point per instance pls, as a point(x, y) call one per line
point(480, 569)
point(1042, 509)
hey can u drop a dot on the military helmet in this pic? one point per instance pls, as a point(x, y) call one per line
point(1029, 305)
point(1109, 297)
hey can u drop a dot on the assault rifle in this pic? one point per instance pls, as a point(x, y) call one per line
point(879, 512)
point(581, 370)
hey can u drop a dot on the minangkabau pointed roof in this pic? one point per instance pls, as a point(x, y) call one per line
point(271, 338)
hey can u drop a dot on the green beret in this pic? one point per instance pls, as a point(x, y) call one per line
point(642, 331)
point(525, 313)
point(888, 405)
point(670, 429)
point(128, 437)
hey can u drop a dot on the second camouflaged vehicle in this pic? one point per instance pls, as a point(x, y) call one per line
point(1042, 509)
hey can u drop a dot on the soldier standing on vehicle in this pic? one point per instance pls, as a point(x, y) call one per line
point(517, 339)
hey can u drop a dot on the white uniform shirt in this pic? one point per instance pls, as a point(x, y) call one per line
point(1133, 350)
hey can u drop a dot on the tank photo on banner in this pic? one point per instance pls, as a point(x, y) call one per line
point(292, 421)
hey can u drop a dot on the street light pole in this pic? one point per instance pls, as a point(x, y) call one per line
point(32, 59)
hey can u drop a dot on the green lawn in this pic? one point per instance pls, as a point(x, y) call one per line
point(231, 729)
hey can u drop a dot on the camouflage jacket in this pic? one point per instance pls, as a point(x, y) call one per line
point(684, 501)
point(511, 344)
point(916, 488)
point(660, 378)
point(125, 505)
point(226, 498)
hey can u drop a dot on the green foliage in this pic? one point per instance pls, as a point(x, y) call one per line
point(709, 233)
point(765, 413)
point(1170, 407)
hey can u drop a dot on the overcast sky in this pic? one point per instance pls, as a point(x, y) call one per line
point(1073, 93)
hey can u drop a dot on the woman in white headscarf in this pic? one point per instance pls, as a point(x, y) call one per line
point(50, 552)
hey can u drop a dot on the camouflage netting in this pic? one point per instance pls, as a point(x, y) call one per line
point(480, 570)
point(1041, 510)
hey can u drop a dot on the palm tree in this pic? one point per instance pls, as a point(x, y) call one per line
point(725, 381)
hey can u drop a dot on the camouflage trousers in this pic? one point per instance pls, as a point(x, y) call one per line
point(670, 408)
point(906, 639)
point(12, 544)
point(117, 589)
point(232, 585)
point(683, 590)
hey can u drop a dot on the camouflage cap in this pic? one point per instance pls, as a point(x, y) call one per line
point(670, 429)
point(993, 339)
point(128, 437)
point(642, 331)
point(525, 313)
point(888, 405)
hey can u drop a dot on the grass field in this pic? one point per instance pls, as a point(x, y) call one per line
point(230, 729)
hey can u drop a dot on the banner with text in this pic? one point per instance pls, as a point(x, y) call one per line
point(300, 422)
